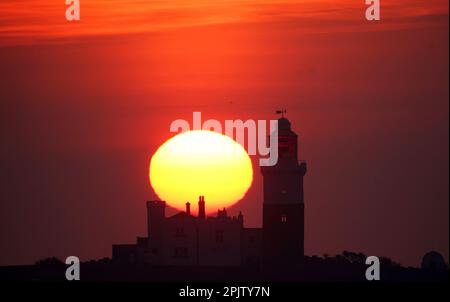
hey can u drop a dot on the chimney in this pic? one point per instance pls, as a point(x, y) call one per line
point(155, 217)
point(241, 218)
point(201, 207)
point(188, 208)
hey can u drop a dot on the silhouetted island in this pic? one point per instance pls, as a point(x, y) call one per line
point(347, 266)
point(185, 247)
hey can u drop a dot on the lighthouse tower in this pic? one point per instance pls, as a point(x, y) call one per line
point(283, 206)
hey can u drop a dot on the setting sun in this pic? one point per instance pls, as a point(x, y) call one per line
point(198, 163)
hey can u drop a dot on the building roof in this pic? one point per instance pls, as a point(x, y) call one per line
point(284, 127)
point(181, 215)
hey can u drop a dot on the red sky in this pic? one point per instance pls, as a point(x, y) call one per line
point(35, 21)
point(84, 105)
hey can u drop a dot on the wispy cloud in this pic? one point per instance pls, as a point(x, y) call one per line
point(36, 21)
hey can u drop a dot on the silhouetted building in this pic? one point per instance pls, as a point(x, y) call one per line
point(433, 261)
point(283, 207)
point(184, 239)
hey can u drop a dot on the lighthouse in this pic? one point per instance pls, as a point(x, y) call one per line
point(283, 205)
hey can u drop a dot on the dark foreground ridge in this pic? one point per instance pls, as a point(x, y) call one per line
point(348, 267)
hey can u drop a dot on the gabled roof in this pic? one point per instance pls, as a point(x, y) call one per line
point(181, 215)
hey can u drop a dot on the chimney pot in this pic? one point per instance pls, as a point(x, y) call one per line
point(188, 208)
point(201, 207)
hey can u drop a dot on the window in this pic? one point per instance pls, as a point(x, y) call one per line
point(248, 260)
point(180, 252)
point(179, 232)
point(219, 236)
point(284, 151)
point(283, 218)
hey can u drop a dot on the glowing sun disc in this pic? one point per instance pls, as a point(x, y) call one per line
point(197, 163)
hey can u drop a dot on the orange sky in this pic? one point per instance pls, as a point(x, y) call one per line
point(84, 105)
point(34, 21)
